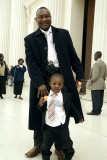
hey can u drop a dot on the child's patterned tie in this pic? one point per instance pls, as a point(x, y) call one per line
point(51, 109)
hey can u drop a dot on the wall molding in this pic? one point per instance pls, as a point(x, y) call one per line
point(28, 3)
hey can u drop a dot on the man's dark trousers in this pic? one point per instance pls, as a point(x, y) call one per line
point(38, 139)
point(97, 100)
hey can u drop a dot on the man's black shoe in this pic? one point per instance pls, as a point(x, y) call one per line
point(1, 97)
point(92, 113)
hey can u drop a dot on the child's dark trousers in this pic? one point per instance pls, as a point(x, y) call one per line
point(60, 133)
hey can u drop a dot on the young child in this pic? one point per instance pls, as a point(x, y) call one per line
point(57, 109)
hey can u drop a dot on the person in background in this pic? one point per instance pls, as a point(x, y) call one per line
point(7, 75)
point(57, 109)
point(18, 73)
point(49, 50)
point(96, 83)
point(11, 78)
point(3, 75)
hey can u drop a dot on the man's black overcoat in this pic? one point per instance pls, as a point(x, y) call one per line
point(36, 49)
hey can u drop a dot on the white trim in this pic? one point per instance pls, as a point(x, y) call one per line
point(29, 2)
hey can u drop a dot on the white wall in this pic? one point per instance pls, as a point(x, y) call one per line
point(17, 32)
point(76, 29)
point(5, 21)
point(31, 8)
point(100, 29)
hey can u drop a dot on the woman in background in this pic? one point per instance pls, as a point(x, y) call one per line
point(3, 75)
point(18, 73)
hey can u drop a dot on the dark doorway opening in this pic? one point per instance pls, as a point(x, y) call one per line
point(87, 36)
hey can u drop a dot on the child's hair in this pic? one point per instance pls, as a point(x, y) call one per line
point(57, 75)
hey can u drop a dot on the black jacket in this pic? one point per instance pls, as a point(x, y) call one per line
point(70, 109)
point(36, 58)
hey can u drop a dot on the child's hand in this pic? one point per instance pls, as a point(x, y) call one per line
point(42, 101)
point(81, 121)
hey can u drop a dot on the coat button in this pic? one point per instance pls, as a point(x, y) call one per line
point(45, 48)
point(45, 61)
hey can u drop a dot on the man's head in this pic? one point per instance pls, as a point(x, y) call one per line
point(43, 18)
point(97, 55)
point(1, 56)
point(20, 61)
point(56, 82)
point(11, 67)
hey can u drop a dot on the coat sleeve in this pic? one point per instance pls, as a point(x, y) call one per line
point(34, 70)
point(12, 71)
point(94, 74)
point(74, 112)
point(105, 74)
point(6, 71)
point(43, 107)
point(74, 60)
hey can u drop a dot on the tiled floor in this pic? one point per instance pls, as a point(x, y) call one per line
point(90, 138)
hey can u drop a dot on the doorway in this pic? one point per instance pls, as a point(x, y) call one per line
point(87, 36)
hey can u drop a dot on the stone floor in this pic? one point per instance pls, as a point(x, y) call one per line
point(90, 138)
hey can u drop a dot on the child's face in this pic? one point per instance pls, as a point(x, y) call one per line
point(56, 84)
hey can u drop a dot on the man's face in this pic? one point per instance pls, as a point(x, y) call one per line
point(56, 84)
point(95, 57)
point(43, 19)
point(2, 58)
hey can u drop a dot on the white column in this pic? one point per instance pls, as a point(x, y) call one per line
point(5, 11)
point(76, 26)
point(18, 31)
point(67, 14)
point(100, 31)
point(56, 8)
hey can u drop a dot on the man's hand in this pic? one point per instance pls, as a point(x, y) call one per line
point(42, 101)
point(42, 91)
point(81, 121)
point(83, 86)
point(83, 83)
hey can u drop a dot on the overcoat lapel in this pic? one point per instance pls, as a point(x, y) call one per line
point(41, 39)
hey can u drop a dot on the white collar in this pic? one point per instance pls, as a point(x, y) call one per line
point(21, 66)
point(98, 59)
point(49, 30)
point(51, 93)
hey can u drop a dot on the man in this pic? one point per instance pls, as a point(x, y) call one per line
point(48, 49)
point(96, 84)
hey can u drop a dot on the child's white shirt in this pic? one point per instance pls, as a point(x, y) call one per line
point(60, 115)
